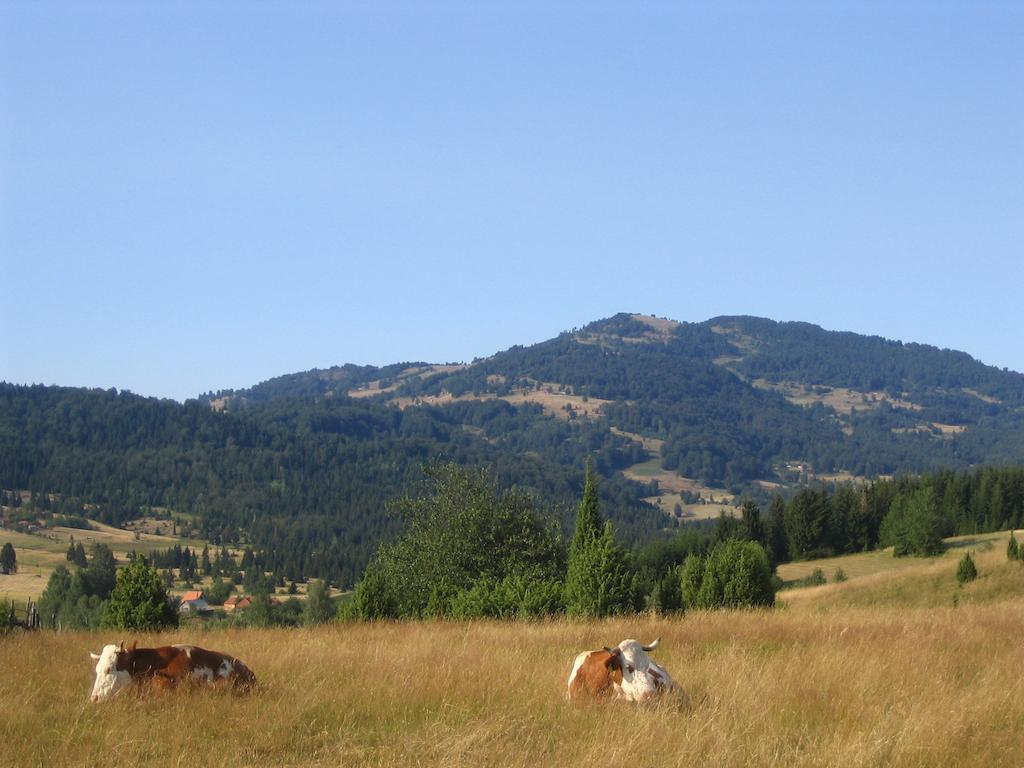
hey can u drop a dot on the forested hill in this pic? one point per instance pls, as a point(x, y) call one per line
point(732, 400)
point(302, 466)
point(306, 481)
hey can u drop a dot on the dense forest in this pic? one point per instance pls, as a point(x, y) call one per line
point(307, 482)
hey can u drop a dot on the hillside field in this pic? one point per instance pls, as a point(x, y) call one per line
point(882, 561)
point(820, 681)
point(39, 554)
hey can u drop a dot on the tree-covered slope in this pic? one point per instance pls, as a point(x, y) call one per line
point(306, 480)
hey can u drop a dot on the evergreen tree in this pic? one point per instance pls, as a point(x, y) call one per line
point(8, 559)
point(690, 580)
point(966, 571)
point(101, 573)
point(79, 558)
point(775, 532)
point(600, 580)
point(667, 594)
point(139, 600)
point(913, 525)
point(1013, 549)
point(753, 530)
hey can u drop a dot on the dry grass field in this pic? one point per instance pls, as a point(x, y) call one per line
point(823, 681)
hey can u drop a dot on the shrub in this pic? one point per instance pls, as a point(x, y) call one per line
point(815, 579)
point(839, 576)
point(1013, 550)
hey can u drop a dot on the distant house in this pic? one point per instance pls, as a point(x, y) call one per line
point(193, 603)
point(237, 603)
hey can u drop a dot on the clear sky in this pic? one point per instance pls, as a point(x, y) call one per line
point(197, 196)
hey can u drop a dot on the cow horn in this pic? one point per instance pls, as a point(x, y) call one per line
point(652, 646)
point(135, 644)
point(613, 651)
point(95, 656)
point(122, 647)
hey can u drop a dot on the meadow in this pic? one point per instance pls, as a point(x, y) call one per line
point(840, 675)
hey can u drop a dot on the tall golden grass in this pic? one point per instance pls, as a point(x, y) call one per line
point(812, 684)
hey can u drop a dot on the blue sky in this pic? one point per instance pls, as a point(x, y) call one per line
point(196, 196)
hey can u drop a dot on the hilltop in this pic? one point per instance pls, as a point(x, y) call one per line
point(723, 403)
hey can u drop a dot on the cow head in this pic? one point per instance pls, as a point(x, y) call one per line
point(111, 672)
point(641, 677)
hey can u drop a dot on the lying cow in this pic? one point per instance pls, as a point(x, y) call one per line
point(165, 667)
point(626, 671)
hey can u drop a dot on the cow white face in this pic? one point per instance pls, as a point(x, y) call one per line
point(641, 677)
point(109, 679)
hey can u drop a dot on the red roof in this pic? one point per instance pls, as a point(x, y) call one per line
point(193, 594)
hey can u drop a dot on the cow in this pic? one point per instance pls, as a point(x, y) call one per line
point(626, 672)
point(165, 667)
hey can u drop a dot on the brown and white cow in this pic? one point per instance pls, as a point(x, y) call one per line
point(626, 672)
point(117, 667)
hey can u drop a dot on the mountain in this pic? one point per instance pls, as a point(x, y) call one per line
point(728, 401)
point(679, 419)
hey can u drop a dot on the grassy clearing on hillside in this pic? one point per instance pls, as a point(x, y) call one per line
point(846, 687)
point(39, 554)
point(882, 560)
point(671, 486)
point(928, 584)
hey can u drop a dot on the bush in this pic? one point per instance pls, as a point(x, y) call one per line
point(816, 579)
point(514, 597)
point(966, 571)
point(318, 608)
point(1013, 550)
point(735, 574)
point(139, 600)
point(839, 576)
point(462, 535)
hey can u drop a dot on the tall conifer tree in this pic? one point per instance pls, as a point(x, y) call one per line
point(600, 579)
